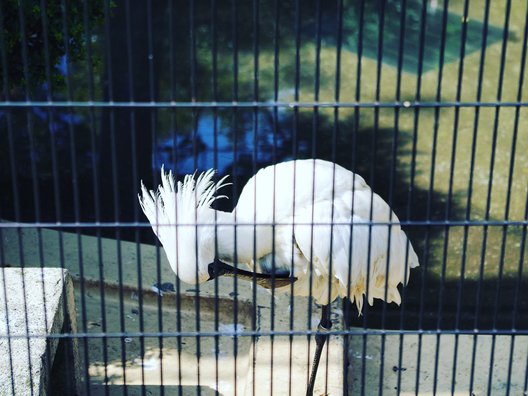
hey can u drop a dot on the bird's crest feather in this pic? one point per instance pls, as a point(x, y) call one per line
point(179, 200)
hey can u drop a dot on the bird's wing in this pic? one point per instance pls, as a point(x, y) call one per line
point(276, 193)
point(333, 211)
point(349, 252)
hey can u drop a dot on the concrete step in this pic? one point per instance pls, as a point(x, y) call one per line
point(36, 303)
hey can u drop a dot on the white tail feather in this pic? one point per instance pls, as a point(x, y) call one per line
point(172, 209)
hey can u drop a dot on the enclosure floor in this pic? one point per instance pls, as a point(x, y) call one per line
point(184, 364)
point(105, 311)
point(419, 372)
point(141, 356)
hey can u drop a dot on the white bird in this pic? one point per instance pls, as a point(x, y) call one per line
point(311, 225)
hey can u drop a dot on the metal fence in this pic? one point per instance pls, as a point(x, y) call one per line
point(426, 100)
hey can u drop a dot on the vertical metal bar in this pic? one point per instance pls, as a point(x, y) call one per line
point(450, 189)
point(401, 49)
point(433, 152)
point(490, 186)
point(256, 33)
point(473, 156)
point(95, 176)
point(335, 133)
point(379, 58)
point(355, 130)
point(347, 305)
point(113, 154)
point(297, 23)
point(173, 126)
point(315, 129)
point(523, 234)
point(153, 114)
point(374, 144)
point(192, 55)
point(5, 94)
point(432, 173)
point(512, 161)
point(27, 94)
point(276, 63)
point(153, 118)
point(132, 96)
point(73, 157)
point(20, 239)
point(430, 194)
point(481, 278)
point(214, 87)
point(47, 68)
point(469, 197)
point(234, 31)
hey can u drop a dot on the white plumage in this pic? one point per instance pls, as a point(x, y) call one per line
point(296, 216)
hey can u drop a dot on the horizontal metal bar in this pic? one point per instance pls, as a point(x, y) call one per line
point(250, 104)
point(420, 223)
point(264, 333)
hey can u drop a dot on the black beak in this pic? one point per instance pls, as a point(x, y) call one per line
point(218, 268)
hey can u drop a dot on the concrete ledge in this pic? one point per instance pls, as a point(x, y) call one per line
point(37, 302)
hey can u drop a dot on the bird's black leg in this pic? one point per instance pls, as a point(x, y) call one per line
point(320, 338)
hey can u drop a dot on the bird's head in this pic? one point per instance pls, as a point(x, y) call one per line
point(181, 216)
